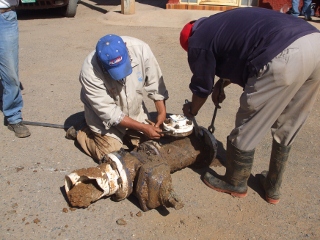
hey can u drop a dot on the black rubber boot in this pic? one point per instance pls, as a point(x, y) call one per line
point(238, 170)
point(271, 180)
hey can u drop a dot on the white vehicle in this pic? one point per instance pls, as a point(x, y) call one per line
point(68, 7)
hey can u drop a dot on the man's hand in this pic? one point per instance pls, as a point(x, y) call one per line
point(218, 95)
point(186, 108)
point(151, 132)
point(190, 109)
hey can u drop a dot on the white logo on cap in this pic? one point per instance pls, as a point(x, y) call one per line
point(115, 61)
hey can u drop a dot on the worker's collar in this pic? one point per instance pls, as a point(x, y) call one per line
point(134, 61)
point(196, 23)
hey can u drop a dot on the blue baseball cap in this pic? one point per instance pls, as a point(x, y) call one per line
point(113, 54)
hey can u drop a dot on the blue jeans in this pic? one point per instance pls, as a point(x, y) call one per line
point(12, 102)
point(305, 10)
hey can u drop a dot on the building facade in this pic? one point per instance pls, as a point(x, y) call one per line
point(223, 5)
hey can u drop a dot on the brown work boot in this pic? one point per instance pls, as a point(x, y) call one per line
point(20, 130)
point(71, 133)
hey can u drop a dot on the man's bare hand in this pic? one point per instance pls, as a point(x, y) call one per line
point(218, 95)
point(151, 132)
point(186, 108)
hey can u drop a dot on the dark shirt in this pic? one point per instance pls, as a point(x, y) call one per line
point(236, 44)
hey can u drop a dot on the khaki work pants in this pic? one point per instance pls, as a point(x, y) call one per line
point(97, 145)
point(281, 97)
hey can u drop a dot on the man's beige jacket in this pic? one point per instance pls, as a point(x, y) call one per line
point(107, 101)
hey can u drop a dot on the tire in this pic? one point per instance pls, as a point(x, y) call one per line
point(70, 9)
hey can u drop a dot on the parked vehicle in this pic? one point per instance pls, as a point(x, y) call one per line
point(68, 7)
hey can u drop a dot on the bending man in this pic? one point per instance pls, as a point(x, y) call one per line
point(270, 55)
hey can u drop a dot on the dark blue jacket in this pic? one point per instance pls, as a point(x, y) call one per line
point(236, 44)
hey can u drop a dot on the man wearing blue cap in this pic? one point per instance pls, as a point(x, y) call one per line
point(113, 79)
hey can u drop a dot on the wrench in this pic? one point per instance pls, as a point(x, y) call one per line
point(211, 128)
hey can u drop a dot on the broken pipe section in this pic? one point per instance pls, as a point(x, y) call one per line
point(145, 172)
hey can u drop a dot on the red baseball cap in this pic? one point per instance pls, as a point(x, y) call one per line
point(185, 34)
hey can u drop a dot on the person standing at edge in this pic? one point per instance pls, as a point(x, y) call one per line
point(274, 58)
point(12, 101)
point(305, 10)
point(113, 78)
